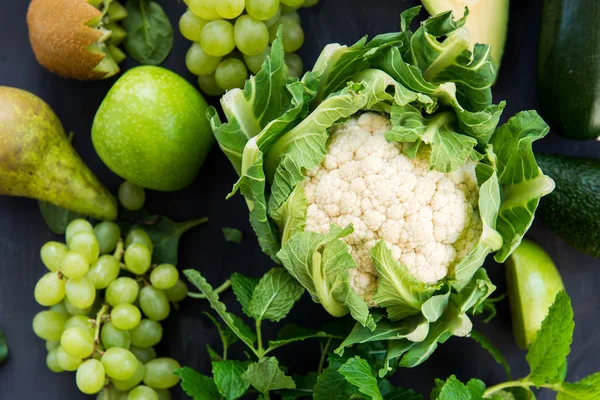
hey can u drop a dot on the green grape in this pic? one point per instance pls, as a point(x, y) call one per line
point(110, 394)
point(144, 355)
point(49, 325)
point(51, 254)
point(138, 258)
point(217, 38)
point(123, 290)
point(251, 35)
point(74, 265)
point(52, 344)
point(119, 363)
point(72, 310)
point(86, 244)
point(133, 381)
point(254, 63)
point(90, 377)
point(67, 361)
point(80, 292)
point(77, 342)
point(230, 9)
point(231, 74)
point(50, 289)
point(112, 336)
point(125, 316)
point(52, 362)
point(286, 9)
point(154, 303)
point(309, 3)
point(262, 9)
point(163, 394)
point(294, 64)
point(191, 26)
point(131, 196)
point(139, 236)
point(160, 373)
point(81, 321)
point(271, 21)
point(292, 34)
point(204, 9)
point(164, 277)
point(108, 234)
point(147, 334)
point(142, 393)
point(178, 292)
point(60, 308)
point(209, 86)
point(200, 63)
point(76, 226)
point(104, 271)
point(293, 15)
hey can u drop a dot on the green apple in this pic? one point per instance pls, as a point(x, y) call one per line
point(151, 129)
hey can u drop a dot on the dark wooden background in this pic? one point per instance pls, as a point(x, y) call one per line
point(22, 230)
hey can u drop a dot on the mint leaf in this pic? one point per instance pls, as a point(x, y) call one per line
point(521, 393)
point(358, 372)
point(293, 333)
point(57, 218)
point(331, 385)
point(232, 321)
point(275, 295)
point(487, 345)
point(476, 388)
point(586, 389)
point(228, 378)
point(453, 389)
point(227, 336)
point(243, 287)
point(233, 235)
point(197, 386)
point(3, 348)
point(402, 394)
point(265, 376)
point(212, 354)
point(548, 352)
point(304, 387)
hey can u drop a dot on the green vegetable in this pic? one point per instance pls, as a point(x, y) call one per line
point(572, 211)
point(435, 96)
point(533, 281)
point(3, 348)
point(149, 32)
point(564, 70)
point(233, 235)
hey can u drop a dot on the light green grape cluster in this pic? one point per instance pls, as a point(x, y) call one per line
point(105, 300)
point(232, 37)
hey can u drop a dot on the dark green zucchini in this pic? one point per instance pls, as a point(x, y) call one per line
point(569, 67)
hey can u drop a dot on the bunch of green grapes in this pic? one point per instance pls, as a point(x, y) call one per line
point(105, 302)
point(232, 37)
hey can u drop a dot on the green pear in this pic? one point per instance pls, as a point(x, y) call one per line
point(37, 160)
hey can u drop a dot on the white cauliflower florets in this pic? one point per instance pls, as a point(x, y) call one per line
point(428, 219)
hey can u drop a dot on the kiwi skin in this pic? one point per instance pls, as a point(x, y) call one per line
point(60, 37)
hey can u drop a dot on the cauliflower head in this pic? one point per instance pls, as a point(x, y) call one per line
point(428, 219)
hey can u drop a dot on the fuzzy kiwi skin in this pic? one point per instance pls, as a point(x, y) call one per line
point(60, 37)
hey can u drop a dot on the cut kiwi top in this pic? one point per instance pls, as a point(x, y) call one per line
point(77, 38)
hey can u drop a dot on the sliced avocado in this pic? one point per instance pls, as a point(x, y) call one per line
point(487, 22)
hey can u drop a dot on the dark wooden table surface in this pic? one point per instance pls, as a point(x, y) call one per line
point(22, 230)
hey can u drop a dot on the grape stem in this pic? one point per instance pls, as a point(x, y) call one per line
point(118, 254)
point(218, 290)
point(98, 324)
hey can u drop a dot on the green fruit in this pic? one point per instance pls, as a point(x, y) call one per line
point(151, 129)
point(37, 160)
point(532, 282)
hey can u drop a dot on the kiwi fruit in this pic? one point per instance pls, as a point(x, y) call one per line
point(77, 38)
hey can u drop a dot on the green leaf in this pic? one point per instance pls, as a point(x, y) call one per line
point(227, 336)
point(586, 389)
point(292, 333)
point(521, 180)
point(265, 376)
point(453, 389)
point(331, 385)
point(149, 32)
point(228, 378)
point(233, 235)
point(198, 386)
point(3, 348)
point(358, 372)
point(57, 218)
point(165, 235)
point(290, 217)
point(548, 352)
point(243, 287)
point(493, 350)
point(476, 388)
point(521, 393)
point(402, 394)
point(395, 350)
point(275, 295)
point(234, 323)
point(478, 289)
point(435, 306)
point(398, 291)
point(304, 387)
point(212, 354)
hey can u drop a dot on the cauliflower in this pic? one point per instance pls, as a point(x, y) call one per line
point(428, 219)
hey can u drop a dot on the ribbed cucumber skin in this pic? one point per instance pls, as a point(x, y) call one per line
point(569, 67)
point(572, 211)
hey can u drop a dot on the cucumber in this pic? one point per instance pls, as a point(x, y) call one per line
point(568, 70)
point(572, 211)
